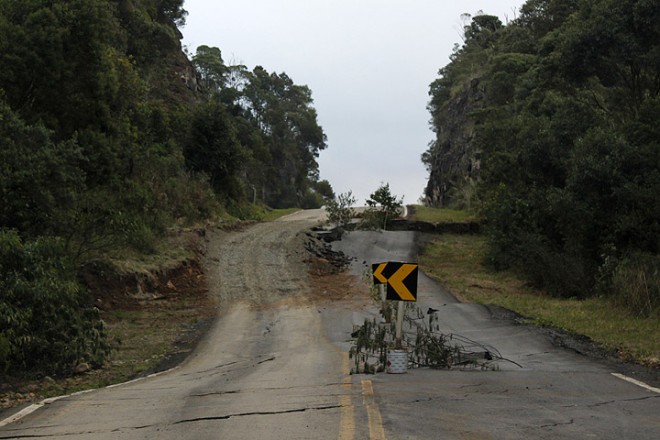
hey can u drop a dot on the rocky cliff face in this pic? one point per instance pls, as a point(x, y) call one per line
point(452, 159)
point(173, 77)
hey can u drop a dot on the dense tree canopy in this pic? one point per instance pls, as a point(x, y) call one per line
point(275, 123)
point(561, 123)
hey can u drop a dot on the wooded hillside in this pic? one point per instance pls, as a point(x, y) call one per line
point(110, 135)
point(549, 126)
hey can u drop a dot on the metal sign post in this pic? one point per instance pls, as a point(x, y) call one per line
point(399, 326)
point(397, 281)
point(383, 301)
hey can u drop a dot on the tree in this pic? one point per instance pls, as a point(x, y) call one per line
point(611, 48)
point(287, 123)
point(324, 188)
point(173, 10)
point(482, 29)
point(214, 149)
point(211, 67)
point(383, 206)
point(274, 122)
point(39, 179)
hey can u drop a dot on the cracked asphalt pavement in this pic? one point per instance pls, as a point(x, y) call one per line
point(275, 366)
point(547, 392)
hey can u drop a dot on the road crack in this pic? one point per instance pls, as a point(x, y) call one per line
point(554, 425)
point(208, 370)
point(609, 402)
point(215, 393)
point(266, 360)
point(257, 413)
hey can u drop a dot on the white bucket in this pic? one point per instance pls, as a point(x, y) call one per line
point(397, 361)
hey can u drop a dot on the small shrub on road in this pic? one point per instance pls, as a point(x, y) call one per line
point(340, 211)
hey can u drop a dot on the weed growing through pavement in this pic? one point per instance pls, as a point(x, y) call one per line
point(421, 338)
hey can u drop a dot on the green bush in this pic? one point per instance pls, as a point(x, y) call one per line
point(636, 285)
point(311, 200)
point(244, 210)
point(340, 211)
point(559, 273)
point(520, 240)
point(46, 322)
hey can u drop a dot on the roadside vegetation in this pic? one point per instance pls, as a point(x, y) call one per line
point(547, 126)
point(340, 210)
point(459, 263)
point(441, 215)
point(273, 214)
point(382, 208)
point(153, 309)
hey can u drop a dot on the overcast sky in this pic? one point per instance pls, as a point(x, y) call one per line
point(368, 64)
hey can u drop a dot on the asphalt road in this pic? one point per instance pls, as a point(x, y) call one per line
point(275, 366)
point(547, 392)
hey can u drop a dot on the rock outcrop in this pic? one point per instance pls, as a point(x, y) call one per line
point(452, 159)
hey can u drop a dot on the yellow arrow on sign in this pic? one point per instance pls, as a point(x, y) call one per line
point(396, 281)
point(378, 273)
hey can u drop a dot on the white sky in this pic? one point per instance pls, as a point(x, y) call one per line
point(368, 64)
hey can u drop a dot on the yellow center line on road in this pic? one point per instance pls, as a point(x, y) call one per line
point(376, 430)
point(347, 421)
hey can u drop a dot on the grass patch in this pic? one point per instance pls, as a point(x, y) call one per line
point(456, 261)
point(442, 215)
point(274, 214)
point(258, 212)
point(143, 337)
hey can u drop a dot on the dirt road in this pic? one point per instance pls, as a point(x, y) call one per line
point(263, 263)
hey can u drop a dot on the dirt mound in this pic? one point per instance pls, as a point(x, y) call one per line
point(324, 260)
point(113, 288)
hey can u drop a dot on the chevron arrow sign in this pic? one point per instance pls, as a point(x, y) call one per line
point(401, 279)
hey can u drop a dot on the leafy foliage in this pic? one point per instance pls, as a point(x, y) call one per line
point(276, 126)
point(424, 344)
point(382, 207)
point(215, 150)
point(340, 210)
point(45, 321)
point(39, 178)
point(560, 125)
